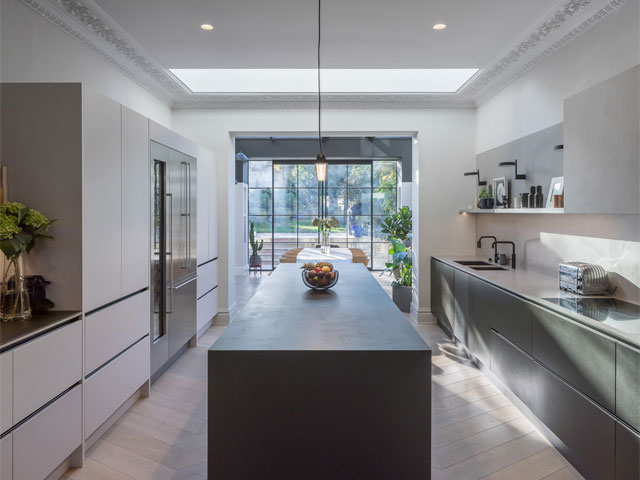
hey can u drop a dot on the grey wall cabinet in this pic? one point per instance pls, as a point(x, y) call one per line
point(601, 147)
point(587, 431)
point(461, 306)
point(628, 385)
point(583, 357)
point(513, 366)
point(443, 277)
point(627, 453)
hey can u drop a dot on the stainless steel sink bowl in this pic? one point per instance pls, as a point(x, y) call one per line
point(471, 262)
point(488, 267)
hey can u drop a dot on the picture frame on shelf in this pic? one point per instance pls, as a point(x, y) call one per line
point(501, 192)
point(555, 188)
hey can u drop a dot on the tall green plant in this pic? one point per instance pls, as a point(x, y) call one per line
point(398, 225)
point(255, 246)
point(401, 264)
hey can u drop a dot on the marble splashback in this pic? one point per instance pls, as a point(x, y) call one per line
point(543, 241)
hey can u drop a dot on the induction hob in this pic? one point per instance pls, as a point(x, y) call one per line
point(614, 312)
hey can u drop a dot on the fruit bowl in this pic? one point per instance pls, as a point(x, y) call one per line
point(322, 277)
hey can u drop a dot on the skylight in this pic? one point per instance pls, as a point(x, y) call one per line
point(333, 80)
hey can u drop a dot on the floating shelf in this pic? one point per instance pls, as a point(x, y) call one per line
point(513, 211)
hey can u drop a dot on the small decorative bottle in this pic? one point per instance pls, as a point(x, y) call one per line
point(532, 199)
point(539, 197)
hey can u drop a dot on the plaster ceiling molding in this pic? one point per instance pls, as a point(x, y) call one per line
point(560, 28)
point(94, 29)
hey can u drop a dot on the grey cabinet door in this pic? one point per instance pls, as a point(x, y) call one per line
point(436, 290)
point(587, 431)
point(511, 365)
point(478, 329)
point(583, 357)
point(628, 385)
point(442, 295)
point(461, 306)
point(627, 453)
point(510, 316)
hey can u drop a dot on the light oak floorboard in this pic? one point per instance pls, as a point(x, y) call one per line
point(535, 467)
point(129, 463)
point(567, 473)
point(93, 470)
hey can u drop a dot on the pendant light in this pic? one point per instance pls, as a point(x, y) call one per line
point(321, 161)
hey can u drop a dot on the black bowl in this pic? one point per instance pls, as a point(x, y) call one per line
point(308, 283)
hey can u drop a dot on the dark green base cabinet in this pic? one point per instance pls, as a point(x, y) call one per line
point(581, 384)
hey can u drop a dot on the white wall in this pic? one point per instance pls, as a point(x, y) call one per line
point(445, 148)
point(34, 50)
point(535, 101)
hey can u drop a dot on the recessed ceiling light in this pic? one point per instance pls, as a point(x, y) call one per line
point(207, 27)
point(439, 26)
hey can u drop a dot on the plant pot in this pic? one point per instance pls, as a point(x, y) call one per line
point(255, 261)
point(486, 203)
point(402, 297)
point(14, 297)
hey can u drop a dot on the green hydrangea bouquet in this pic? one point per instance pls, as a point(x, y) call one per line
point(20, 226)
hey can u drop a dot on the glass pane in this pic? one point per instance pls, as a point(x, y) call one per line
point(384, 201)
point(385, 174)
point(308, 201)
point(335, 201)
point(359, 201)
point(262, 226)
point(284, 176)
point(285, 201)
point(307, 233)
point(336, 176)
point(339, 234)
point(378, 236)
point(307, 176)
point(281, 249)
point(359, 229)
point(380, 255)
point(259, 201)
point(259, 174)
point(284, 228)
point(359, 176)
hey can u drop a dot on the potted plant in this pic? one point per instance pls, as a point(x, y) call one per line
point(20, 226)
point(402, 267)
point(324, 226)
point(255, 260)
point(399, 225)
point(484, 199)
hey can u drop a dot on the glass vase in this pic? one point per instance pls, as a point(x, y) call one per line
point(14, 298)
point(325, 246)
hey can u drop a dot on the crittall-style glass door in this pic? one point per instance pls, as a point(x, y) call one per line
point(285, 197)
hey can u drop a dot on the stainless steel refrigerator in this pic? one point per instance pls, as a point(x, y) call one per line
point(173, 252)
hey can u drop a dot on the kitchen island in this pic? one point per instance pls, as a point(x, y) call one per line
point(317, 385)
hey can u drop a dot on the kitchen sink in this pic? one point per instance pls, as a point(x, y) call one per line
point(487, 267)
point(472, 262)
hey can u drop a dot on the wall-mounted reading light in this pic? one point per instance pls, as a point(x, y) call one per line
point(476, 174)
point(519, 176)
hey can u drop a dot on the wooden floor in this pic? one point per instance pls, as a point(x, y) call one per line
point(477, 432)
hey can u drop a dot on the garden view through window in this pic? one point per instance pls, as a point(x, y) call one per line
point(285, 197)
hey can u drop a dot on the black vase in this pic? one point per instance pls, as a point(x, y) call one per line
point(532, 198)
point(539, 197)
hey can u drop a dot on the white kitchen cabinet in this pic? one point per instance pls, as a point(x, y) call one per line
point(213, 208)
point(111, 330)
point(207, 308)
point(136, 199)
point(47, 439)
point(204, 164)
point(46, 367)
point(102, 193)
point(112, 385)
point(207, 277)
point(6, 391)
point(6, 458)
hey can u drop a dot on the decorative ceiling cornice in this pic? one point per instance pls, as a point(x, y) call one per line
point(90, 25)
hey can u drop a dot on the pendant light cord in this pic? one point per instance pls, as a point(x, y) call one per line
point(319, 95)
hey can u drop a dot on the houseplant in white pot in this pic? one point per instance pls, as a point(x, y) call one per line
point(255, 260)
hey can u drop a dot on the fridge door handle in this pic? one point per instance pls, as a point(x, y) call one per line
point(189, 214)
point(169, 308)
point(183, 212)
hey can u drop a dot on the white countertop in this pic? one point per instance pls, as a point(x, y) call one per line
point(535, 288)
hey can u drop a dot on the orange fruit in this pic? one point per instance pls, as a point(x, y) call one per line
point(326, 269)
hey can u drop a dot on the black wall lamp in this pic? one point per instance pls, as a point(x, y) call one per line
point(519, 176)
point(476, 174)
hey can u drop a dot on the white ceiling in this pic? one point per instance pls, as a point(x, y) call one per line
point(380, 34)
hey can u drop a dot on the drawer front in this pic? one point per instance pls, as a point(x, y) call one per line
point(107, 389)
point(6, 457)
point(109, 331)
point(42, 443)
point(628, 385)
point(478, 330)
point(207, 277)
point(510, 316)
point(513, 366)
point(46, 367)
point(6, 391)
point(207, 308)
point(586, 430)
point(627, 453)
point(461, 316)
point(582, 357)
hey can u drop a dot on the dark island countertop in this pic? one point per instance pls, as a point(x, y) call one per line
point(355, 315)
point(17, 332)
